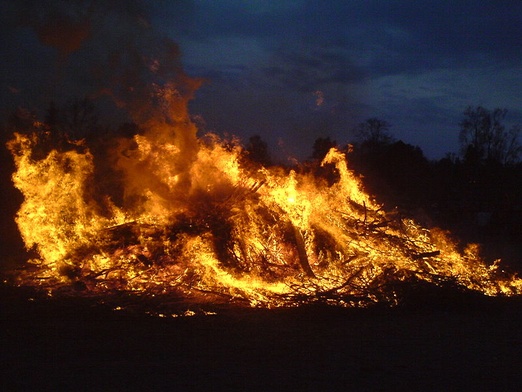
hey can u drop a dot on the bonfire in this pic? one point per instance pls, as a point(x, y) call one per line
point(166, 212)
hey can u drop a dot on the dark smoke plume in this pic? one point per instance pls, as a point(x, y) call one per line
point(98, 50)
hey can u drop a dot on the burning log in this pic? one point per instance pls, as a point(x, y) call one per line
point(425, 255)
point(301, 251)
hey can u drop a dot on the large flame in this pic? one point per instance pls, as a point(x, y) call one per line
point(193, 217)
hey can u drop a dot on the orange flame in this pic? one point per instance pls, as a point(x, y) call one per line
point(196, 218)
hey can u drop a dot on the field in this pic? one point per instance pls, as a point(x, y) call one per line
point(436, 344)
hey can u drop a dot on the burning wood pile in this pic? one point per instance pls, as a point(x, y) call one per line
point(192, 217)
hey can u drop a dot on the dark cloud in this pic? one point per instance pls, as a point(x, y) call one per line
point(398, 36)
point(401, 35)
point(443, 33)
point(304, 67)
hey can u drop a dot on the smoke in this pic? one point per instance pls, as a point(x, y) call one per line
point(96, 49)
point(108, 53)
point(62, 27)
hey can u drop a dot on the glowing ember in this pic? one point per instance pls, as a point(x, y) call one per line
point(193, 217)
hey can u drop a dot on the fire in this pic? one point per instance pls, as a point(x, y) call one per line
point(192, 217)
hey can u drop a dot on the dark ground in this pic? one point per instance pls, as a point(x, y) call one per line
point(73, 344)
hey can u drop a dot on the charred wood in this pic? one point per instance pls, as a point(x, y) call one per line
point(426, 255)
point(301, 251)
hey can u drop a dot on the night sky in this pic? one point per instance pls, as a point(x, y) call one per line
point(288, 70)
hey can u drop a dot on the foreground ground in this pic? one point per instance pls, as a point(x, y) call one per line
point(78, 345)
